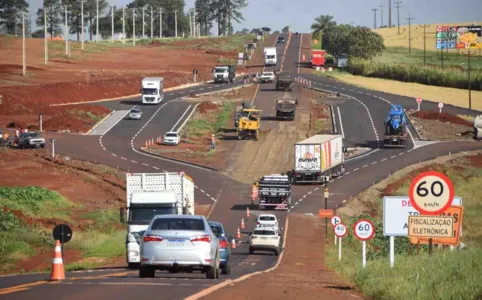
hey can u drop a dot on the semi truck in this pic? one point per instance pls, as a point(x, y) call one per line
point(270, 56)
point(152, 91)
point(318, 159)
point(317, 58)
point(274, 191)
point(395, 128)
point(148, 195)
point(284, 81)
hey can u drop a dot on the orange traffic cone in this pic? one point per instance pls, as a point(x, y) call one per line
point(233, 244)
point(247, 212)
point(147, 144)
point(242, 224)
point(58, 272)
point(238, 234)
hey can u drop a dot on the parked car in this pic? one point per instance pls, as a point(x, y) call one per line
point(135, 114)
point(179, 243)
point(224, 244)
point(265, 239)
point(171, 138)
point(267, 221)
point(30, 140)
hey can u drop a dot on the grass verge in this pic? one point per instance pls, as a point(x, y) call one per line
point(209, 123)
point(444, 275)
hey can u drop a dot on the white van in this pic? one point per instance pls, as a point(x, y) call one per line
point(270, 56)
point(152, 90)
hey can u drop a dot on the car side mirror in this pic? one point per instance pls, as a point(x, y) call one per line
point(345, 149)
point(122, 215)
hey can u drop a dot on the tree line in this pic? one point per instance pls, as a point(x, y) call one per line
point(344, 39)
point(223, 12)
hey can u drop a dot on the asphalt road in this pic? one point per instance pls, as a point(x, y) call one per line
point(360, 119)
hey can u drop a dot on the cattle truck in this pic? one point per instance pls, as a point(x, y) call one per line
point(152, 90)
point(151, 194)
point(318, 159)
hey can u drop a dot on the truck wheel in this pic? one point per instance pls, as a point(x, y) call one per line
point(147, 272)
point(42, 146)
point(251, 250)
point(276, 252)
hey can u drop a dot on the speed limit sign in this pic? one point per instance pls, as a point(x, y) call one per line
point(340, 230)
point(431, 193)
point(364, 229)
point(335, 220)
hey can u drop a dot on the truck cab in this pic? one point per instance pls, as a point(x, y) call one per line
point(30, 140)
point(224, 74)
point(152, 91)
point(270, 56)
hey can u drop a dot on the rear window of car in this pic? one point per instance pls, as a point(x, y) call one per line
point(135, 111)
point(171, 134)
point(178, 224)
point(267, 218)
point(216, 229)
point(264, 232)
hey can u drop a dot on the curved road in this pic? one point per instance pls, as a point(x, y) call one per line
point(360, 119)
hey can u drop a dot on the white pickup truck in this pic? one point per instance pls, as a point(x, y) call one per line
point(30, 140)
point(265, 77)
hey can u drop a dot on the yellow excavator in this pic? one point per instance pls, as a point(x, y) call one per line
point(248, 123)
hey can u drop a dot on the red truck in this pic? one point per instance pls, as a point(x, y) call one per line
point(317, 58)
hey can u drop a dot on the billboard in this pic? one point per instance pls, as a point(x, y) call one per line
point(459, 37)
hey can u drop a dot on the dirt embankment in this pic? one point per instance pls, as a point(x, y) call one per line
point(441, 126)
point(101, 71)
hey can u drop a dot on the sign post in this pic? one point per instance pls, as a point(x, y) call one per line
point(63, 233)
point(440, 106)
point(419, 101)
point(340, 231)
point(364, 230)
point(335, 220)
point(326, 194)
point(194, 73)
point(40, 119)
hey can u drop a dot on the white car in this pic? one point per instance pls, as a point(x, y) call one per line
point(135, 114)
point(171, 138)
point(265, 77)
point(267, 221)
point(179, 243)
point(265, 239)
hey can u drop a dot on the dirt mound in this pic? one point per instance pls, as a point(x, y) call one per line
point(476, 160)
point(222, 53)
point(207, 105)
point(442, 117)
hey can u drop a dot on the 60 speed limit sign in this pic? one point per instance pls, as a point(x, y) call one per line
point(364, 229)
point(340, 230)
point(431, 193)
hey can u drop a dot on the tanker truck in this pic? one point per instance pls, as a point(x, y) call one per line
point(395, 128)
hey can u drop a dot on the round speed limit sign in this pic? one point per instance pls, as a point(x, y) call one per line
point(431, 193)
point(335, 220)
point(364, 229)
point(340, 230)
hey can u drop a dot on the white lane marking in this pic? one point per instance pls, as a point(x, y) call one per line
point(356, 169)
point(134, 161)
point(341, 123)
point(156, 168)
point(185, 112)
point(145, 164)
point(384, 159)
point(400, 153)
point(364, 166)
point(113, 154)
point(374, 162)
point(393, 156)
point(123, 158)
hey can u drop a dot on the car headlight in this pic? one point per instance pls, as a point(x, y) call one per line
point(133, 253)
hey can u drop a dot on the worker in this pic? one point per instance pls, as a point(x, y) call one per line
point(5, 136)
point(213, 141)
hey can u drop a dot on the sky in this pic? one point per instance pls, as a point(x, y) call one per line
point(299, 15)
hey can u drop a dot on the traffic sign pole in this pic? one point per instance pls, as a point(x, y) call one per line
point(364, 253)
point(326, 207)
point(392, 251)
point(339, 250)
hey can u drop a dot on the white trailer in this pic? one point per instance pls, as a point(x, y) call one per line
point(270, 56)
point(318, 159)
point(152, 90)
point(151, 194)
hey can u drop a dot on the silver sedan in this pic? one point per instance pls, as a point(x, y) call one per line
point(179, 243)
point(135, 114)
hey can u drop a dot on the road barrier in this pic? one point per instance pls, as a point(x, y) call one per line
point(238, 234)
point(247, 212)
point(233, 244)
point(242, 224)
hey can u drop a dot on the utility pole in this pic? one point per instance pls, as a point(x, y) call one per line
point(66, 32)
point(374, 18)
point(133, 27)
point(143, 8)
point(112, 23)
point(123, 25)
point(24, 54)
point(409, 34)
point(82, 19)
point(97, 22)
point(381, 13)
point(194, 23)
point(389, 13)
point(152, 23)
point(190, 24)
point(424, 41)
point(398, 5)
point(175, 22)
point(160, 22)
point(470, 84)
point(46, 45)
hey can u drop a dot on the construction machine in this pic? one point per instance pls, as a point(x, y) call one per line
point(248, 123)
point(395, 127)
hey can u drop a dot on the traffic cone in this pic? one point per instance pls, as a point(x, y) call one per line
point(58, 272)
point(147, 144)
point(233, 244)
point(247, 212)
point(152, 142)
point(238, 234)
point(242, 224)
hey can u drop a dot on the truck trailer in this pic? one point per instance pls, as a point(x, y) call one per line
point(152, 90)
point(274, 191)
point(151, 194)
point(317, 58)
point(318, 159)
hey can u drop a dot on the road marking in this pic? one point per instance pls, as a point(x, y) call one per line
point(374, 162)
point(134, 161)
point(155, 168)
point(364, 166)
point(134, 283)
point(356, 169)
point(400, 153)
point(384, 159)
point(185, 112)
point(113, 154)
point(347, 173)
point(21, 287)
point(341, 123)
point(145, 164)
point(393, 156)
point(123, 158)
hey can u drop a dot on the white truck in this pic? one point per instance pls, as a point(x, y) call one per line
point(318, 159)
point(270, 56)
point(478, 127)
point(152, 90)
point(151, 194)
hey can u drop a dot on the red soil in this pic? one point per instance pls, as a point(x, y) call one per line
point(442, 117)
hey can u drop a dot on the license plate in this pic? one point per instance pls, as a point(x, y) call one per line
point(394, 140)
point(174, 243)
point(264, 238)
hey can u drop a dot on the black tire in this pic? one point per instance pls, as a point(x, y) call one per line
point(147, 272)
point(251, 250)
point(42, 146)
point(211, 273)
point(172, 271)
point(133, 266)
point(227, 269)
point(276, 252)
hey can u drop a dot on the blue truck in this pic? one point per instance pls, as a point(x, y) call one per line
point(395, 128)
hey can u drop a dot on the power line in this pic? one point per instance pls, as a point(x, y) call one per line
point(389, 13)
point(381, 13)
point(409, 33)
point(374, 18)
point(424, 41)
point(398, 5)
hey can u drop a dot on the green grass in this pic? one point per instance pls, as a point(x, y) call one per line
point(99, 244)
point(226, 61)
point(445, 275)
point(200, 127)
point(86, 115)
point(102, 218)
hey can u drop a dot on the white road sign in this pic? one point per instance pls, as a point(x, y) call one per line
point(440, 105)
point(396, 210)
point(335, 220)
point(340, 230)
point(364, 229)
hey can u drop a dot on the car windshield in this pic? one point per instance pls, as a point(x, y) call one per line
point(220, 70)
point(171, 134)
point(216, 229)
point(267, 74)
point(267, 218)
point(135, 111)
point(149, 91)
point(264, 232)
point(145, 214)
point(269, 56)
point(178, 224)
point(31, 134)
